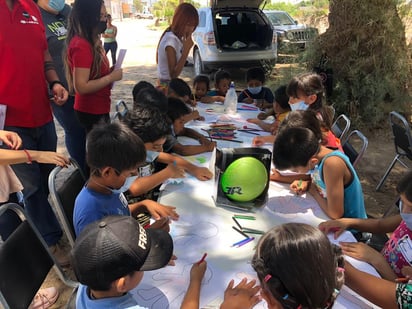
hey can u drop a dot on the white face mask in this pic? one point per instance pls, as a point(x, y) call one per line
point(407, 217)
point(254, 90)
point(299, 106)
point(127, 183)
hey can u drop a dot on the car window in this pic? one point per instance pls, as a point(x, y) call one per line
point(280, 18)
point(202, 19)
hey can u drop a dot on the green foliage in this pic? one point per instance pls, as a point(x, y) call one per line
point(166, 8)
point(138, 5)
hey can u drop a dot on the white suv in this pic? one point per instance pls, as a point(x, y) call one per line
point(233, 33)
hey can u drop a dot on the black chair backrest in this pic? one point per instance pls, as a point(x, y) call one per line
point(354, 146)
point(24, 264)
point(402, 134)
point(350, 151)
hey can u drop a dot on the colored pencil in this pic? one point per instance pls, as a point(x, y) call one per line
point(202, 259)
point(239, 231)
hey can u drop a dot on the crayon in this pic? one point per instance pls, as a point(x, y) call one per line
point(202, 259)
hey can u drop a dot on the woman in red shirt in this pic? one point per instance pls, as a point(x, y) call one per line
point(88, 71)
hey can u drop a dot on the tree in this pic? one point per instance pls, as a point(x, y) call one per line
point(366, 49)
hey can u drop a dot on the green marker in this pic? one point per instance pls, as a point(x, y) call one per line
point(244, 217)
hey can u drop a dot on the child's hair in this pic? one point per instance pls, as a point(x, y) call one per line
point(281, 97)
point(148, 123)
point(139, 86)
point(179, 87)
point(302, 119)
point(310, 84)
point(299, 267)
point(202, 79)
point(113, 145)
point(176, 109)
point(404, 186)
point(221, 75)
point(117, 246)
point(151, 97)
point(294, 147)
point(256, 74)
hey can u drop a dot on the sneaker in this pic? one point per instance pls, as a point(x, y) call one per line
point(44, 298)
point(62, 257)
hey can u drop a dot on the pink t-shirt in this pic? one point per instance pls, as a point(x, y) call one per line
point(398, 249)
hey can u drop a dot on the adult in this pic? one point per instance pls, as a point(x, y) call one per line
point(109, 39)
point(175, 44)
point(55, 15)
point(88, 69)
point(26, 67)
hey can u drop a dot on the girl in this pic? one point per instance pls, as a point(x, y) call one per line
point(87, 67)
point(109, 36)
point(175, 44)
point(288, 258)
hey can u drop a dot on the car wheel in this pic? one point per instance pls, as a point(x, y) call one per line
point(198, 64)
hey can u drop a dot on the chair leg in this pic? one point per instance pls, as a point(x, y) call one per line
point(387, 173)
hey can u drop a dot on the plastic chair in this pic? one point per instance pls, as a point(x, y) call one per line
point(63, 198)
point(354, 146)
point(121, 110)
point(403, 143)
point(25, 261)
point(341, 126)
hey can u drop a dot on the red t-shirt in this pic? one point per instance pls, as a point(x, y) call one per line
point(80, 55)
point(23, 86)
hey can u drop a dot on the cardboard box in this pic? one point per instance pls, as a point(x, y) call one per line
point(224, 157)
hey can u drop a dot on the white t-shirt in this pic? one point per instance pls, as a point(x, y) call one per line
point(169, 39)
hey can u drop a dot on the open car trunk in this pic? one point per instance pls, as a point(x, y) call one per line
point(242, 30)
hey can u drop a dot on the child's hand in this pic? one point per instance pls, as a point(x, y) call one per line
point(158, 210)
point(244, 295)
point(202, 173)
point(336, 226)
point(262, 116)
point(175, 171)
point(172, 260)
point(254, 120)
point(407, 272)
point(161, 224)
point(361, 251)
point(197, 272)
point(258, 141)
point(219, 98)
point(116, 74)
point(11, 139)
point(299, 186)
point(209, 146)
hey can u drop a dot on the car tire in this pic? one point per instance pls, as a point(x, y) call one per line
point(197, 63)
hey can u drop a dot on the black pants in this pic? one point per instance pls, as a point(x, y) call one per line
point(112, 46)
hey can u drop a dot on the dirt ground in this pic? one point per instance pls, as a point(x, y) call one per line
point(140, 65)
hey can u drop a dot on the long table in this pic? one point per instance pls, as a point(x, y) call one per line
point(205, 228)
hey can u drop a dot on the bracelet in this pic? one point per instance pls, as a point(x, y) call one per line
point(29, 159)
point(51, 84)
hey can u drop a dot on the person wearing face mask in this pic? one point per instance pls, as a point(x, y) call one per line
point(394, 260)
point(87, 68)
point(55, 14)
point(255, 91)
point(114, 154)
point(175, 44)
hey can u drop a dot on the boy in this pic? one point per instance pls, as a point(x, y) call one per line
point(177, 112)
point(114, 153)
point(140, 86)
point(394, 260)
point(334, 182)
point(153, 127)
point(201, 85)
point(109, 258)
point(149, 96)
point(255, 92)
point(179, 89)
point(222, 84)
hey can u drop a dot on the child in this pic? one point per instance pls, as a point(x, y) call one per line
point(222, 84)
point(288, 258)
point(201, 85)
point(335, 184)
point(109, 258)
point(177, 112)
point(140, 86)
point(152, 127)
point(393, 261)
point(114, 153)
point(280, 107)
point(178, 88)
point(149, 96)
point(255, 92)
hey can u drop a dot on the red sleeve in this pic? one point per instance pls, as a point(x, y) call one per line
point(80, 53)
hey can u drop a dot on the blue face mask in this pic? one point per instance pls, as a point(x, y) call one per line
point(56, 5)
point(299, 106)
point(254, 90)
point(407, 217)
point(127, 183)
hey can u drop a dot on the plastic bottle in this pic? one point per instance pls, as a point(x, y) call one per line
point(230, 103)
